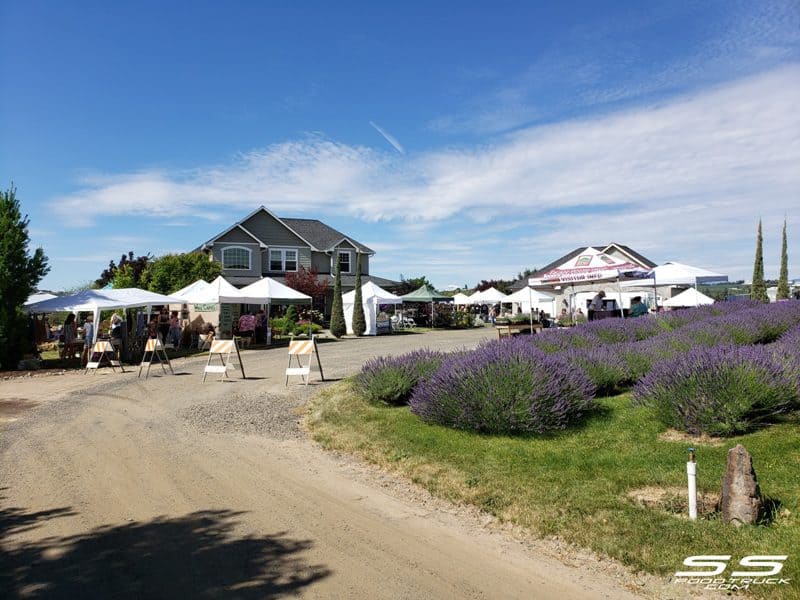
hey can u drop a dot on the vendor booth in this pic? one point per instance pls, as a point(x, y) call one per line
point(372, 296)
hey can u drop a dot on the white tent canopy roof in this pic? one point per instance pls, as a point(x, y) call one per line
point(90, 300)
point(687, 298)
point(38, 297)
point(269, 291)
point(528, 294)
point(191, 289)
point(460, 298)
point(218, 291)
point(675, 273)
point(490, 296)
point(372, 293)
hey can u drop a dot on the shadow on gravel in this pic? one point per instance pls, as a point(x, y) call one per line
point(195, 556)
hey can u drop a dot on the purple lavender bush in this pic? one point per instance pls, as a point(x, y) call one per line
point(392, 379)
point(723, 390)
point(507, 386)
point(604, 366)
point(787, 351)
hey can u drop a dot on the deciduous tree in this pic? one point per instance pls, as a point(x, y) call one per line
point(172, 272)
point(20, 273)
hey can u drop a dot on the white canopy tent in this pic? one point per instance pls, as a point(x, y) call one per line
point(372, 296)
point(95, 301)
point(39, 297)
point(675, 273)
point(461, 299)
point(688, 298)
point(528, 297)
point(590, 266)
point(490, 296)
point(268, 291)
point(218, 291)
point(191, 289)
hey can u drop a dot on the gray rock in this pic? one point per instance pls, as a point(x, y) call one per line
point(741, 501)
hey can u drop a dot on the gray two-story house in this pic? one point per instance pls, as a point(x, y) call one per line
point(264, 245)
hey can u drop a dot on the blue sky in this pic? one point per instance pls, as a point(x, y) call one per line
point(461, 141)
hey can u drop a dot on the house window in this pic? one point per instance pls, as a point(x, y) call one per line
point(345, 264)
point(282, 260)
point(235, 257)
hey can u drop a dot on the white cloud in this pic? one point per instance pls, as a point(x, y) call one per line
point(689, 173)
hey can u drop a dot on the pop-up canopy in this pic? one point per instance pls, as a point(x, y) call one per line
point(688, 298)
point(269, 291)
point(675, 273)
point(372, 296)
point(490, 296)
point(191, 290)
point(218, 291)
point(589, 265)
point(96, 300)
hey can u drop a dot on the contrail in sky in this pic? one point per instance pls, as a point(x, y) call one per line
point(388, 137)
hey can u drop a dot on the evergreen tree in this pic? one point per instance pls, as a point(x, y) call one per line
point(783, 279)
point(338, 326)
point(758, 289)
point(19, 276)
point(359, 321)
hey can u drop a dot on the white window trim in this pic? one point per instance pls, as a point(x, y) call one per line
point(283, 252)
point(249, 258)
point(352, 262)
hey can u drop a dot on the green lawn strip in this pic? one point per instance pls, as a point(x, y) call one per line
point(574, 484)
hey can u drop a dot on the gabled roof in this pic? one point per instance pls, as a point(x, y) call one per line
point(632, 254)
point(322, 236)
point(645, 262)
point(315, 233)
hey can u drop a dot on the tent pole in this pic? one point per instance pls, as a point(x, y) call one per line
point(530, 306)
point(619, 292)
point(655, 292)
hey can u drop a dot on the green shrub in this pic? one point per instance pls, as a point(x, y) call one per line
point(391, 380)
point(724, 390)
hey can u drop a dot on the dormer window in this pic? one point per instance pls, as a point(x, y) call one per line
point(345, 261)
point(236, 257)
point(281, 259)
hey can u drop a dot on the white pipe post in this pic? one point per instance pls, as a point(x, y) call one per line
point(691, 472)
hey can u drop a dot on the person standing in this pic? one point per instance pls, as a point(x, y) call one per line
point(596, 305)
point(88, 339)
point(69, 331)
point(638, 308)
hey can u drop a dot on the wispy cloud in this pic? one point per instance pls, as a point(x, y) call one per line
point(612, 61)
point(388, 137)
point(695, 170)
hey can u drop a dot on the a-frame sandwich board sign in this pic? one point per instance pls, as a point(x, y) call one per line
point(224, 349)
point(154, 352)
point(298, 348)
point(105, 353)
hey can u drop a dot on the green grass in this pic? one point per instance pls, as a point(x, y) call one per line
point(574, 484)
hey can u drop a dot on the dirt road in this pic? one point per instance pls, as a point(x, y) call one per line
point(113, 486)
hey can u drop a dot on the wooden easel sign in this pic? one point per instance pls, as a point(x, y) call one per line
point(224, 349)
point(298, 348)
point(105, 352)
point(154, 352)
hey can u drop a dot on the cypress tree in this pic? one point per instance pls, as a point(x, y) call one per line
point(338, 326)
point(359, 321)
point(783, 279)
point(20, 273)
point(758, 289)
